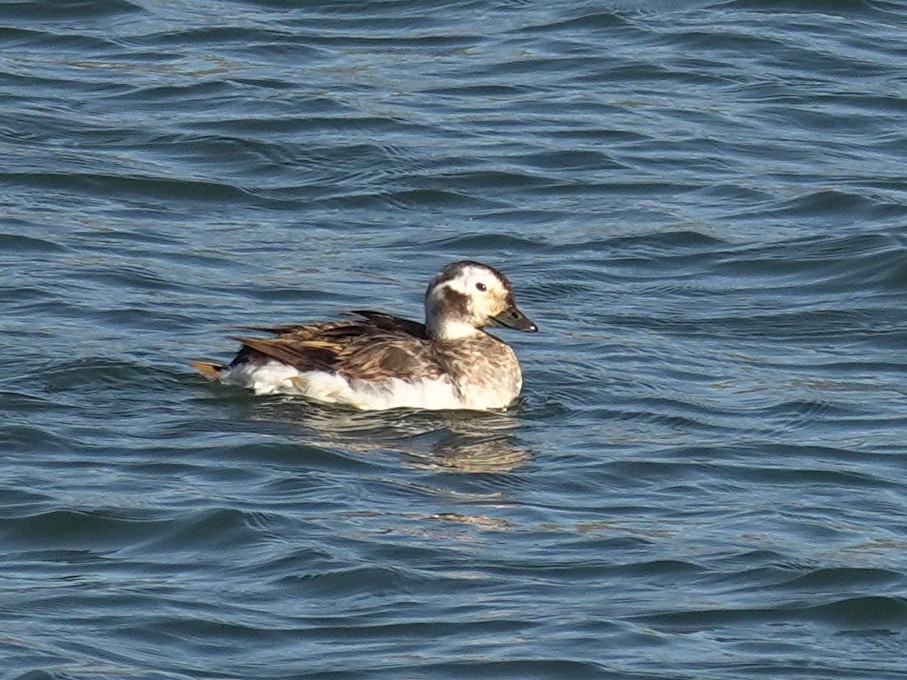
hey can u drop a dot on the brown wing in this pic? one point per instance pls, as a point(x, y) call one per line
point(389, 322)
point(381, 320)
point(374, 347)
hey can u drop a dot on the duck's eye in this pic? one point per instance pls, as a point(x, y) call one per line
point(481, 286)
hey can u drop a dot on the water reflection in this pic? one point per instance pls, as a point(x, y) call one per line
point(452, 441)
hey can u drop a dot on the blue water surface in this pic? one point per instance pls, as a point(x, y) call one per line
point(703, 207)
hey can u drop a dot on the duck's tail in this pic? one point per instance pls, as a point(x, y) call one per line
point(207, 369)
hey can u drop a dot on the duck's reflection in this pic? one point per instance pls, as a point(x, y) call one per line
point(453, 441)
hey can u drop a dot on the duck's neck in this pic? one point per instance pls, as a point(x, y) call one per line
point(449, 329)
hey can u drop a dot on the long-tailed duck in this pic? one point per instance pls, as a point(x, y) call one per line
point(379, 361)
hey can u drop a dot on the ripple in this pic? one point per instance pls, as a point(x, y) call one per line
point(851, 613)
point(868, 612)
point(218, 528)
point(16, 242)
point(74, 530)
point(835, 579)
point(26, 438)
point(67, 375)
point(47, 10)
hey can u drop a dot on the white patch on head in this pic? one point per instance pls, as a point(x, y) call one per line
point(484, 292)
point(469, 279)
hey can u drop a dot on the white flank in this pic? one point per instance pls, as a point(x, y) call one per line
point(274, 377)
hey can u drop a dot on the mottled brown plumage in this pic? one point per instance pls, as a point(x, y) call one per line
point(374, 346)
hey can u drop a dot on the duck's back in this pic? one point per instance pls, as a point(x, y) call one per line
point(372, 347)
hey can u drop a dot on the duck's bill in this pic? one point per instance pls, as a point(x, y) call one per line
point(514, 318)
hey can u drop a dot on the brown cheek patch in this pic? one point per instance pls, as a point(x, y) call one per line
point(453, 304)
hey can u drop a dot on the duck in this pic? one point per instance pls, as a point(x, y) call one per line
point(378, 361)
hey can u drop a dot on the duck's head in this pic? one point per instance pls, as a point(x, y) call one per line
point(466, 296)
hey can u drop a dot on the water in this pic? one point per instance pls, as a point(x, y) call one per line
point(705, 210)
